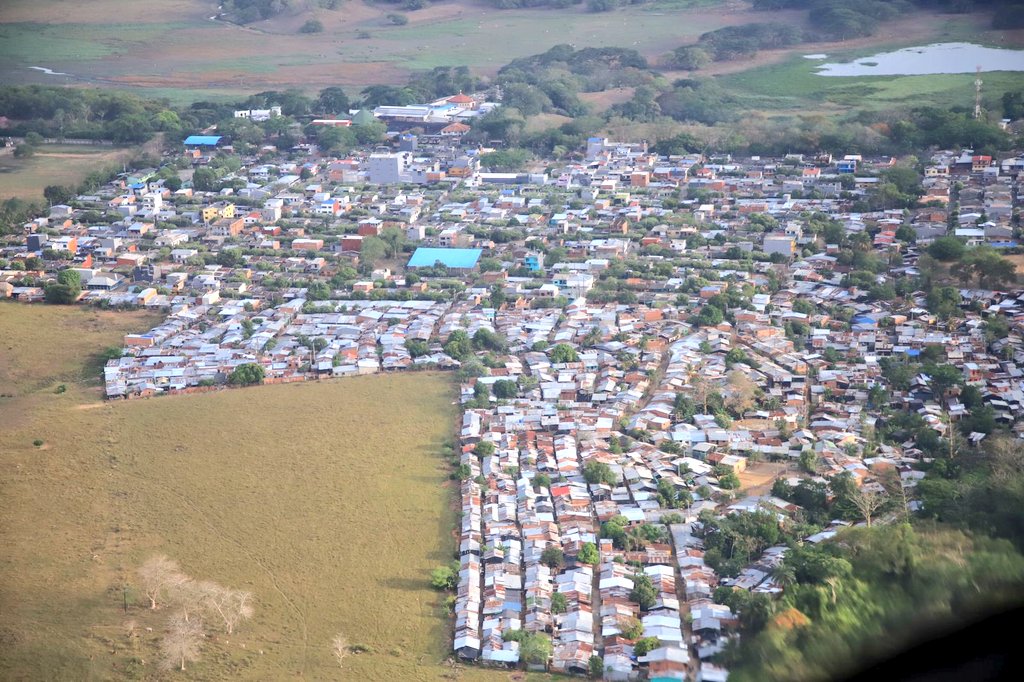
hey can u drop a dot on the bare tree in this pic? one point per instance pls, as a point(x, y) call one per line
point(893, 484)
point(742, 392)
point(339, 647)
point(159, 576)
point(231, 606)
point(181, 643)
point(1006, 458)
point(701, 390)
point(868, 502)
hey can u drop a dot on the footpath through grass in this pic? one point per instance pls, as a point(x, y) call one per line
point(327, 500)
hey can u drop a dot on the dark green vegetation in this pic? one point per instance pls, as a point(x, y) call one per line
point(865, 594)
point(868, 591)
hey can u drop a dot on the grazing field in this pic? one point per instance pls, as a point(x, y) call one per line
point(174, 48)
point(55, 164)
point(326, 500)
point(785, 80)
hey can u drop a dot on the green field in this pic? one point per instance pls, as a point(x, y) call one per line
point(793, 85)
point(327, 500)
point(55, 164)
point(174, 48)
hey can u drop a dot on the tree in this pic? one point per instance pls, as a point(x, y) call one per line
point(372, 250)
point(458, 345)
point(340, 648)
point(66, 289)
point(312, 26)
point(181, 642)
point(946, 249)
point(445, 577)
point(505, 389)
point(809, 461)
point(535, 648)
point(868, 502)
point(563, 353)
point(333, 101)
point(231, 606)
point(631, 628)
point(595, 667)
point(24, 151)
point(645, 645)
point(643, 593)
point(558, 603)
point(158, 576)
point(58, 194)
point(246, 374)
point(552, 557)
point(742, 392)
point(596, 472)
point(588, 554)
point(416, 347)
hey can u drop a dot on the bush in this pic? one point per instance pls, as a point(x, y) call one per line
point(246, 375)
point(398, 19)
point(312, 26)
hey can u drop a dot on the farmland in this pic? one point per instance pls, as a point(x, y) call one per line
point(327, 501)
point(55, 165)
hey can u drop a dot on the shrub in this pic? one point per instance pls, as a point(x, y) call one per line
point(312, 26)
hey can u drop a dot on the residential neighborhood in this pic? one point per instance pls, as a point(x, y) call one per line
point(646, 346)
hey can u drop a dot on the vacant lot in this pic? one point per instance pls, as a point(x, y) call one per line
point(55, 165)
point(328, 501)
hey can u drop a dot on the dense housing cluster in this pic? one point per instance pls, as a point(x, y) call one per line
point(636, 337)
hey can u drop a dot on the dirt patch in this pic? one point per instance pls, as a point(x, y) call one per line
point(759, 477)
point(601, 101)
point(1018, 262)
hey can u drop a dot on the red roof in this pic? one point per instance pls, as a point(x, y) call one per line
point(461, 99)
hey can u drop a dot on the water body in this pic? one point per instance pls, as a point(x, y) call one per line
point(49, 72)
point(930, 59)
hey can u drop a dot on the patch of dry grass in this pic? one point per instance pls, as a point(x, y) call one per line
point(55, 165)
point(327, 500)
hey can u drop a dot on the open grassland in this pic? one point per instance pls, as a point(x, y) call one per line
point(784, 80)
point(55, 164)
point(42, 346)
point(174, 48)
point(327, 500)
point(793, 85)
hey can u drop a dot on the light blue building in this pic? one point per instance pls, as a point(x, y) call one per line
point(454, 259)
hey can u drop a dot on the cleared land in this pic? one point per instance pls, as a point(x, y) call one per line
point(55, 165)
point(326, 500)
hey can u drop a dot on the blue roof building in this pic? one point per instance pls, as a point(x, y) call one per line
point(458, 259)
point(203, 140)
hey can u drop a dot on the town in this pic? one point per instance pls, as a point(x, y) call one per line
point(637, 337)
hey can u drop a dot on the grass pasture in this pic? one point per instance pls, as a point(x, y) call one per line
point(55, 164)
point(174, 48)
point(326, 500)
point(793, 85)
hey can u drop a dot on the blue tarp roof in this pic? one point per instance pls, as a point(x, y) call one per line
point(452, 258)
point(203, 140)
